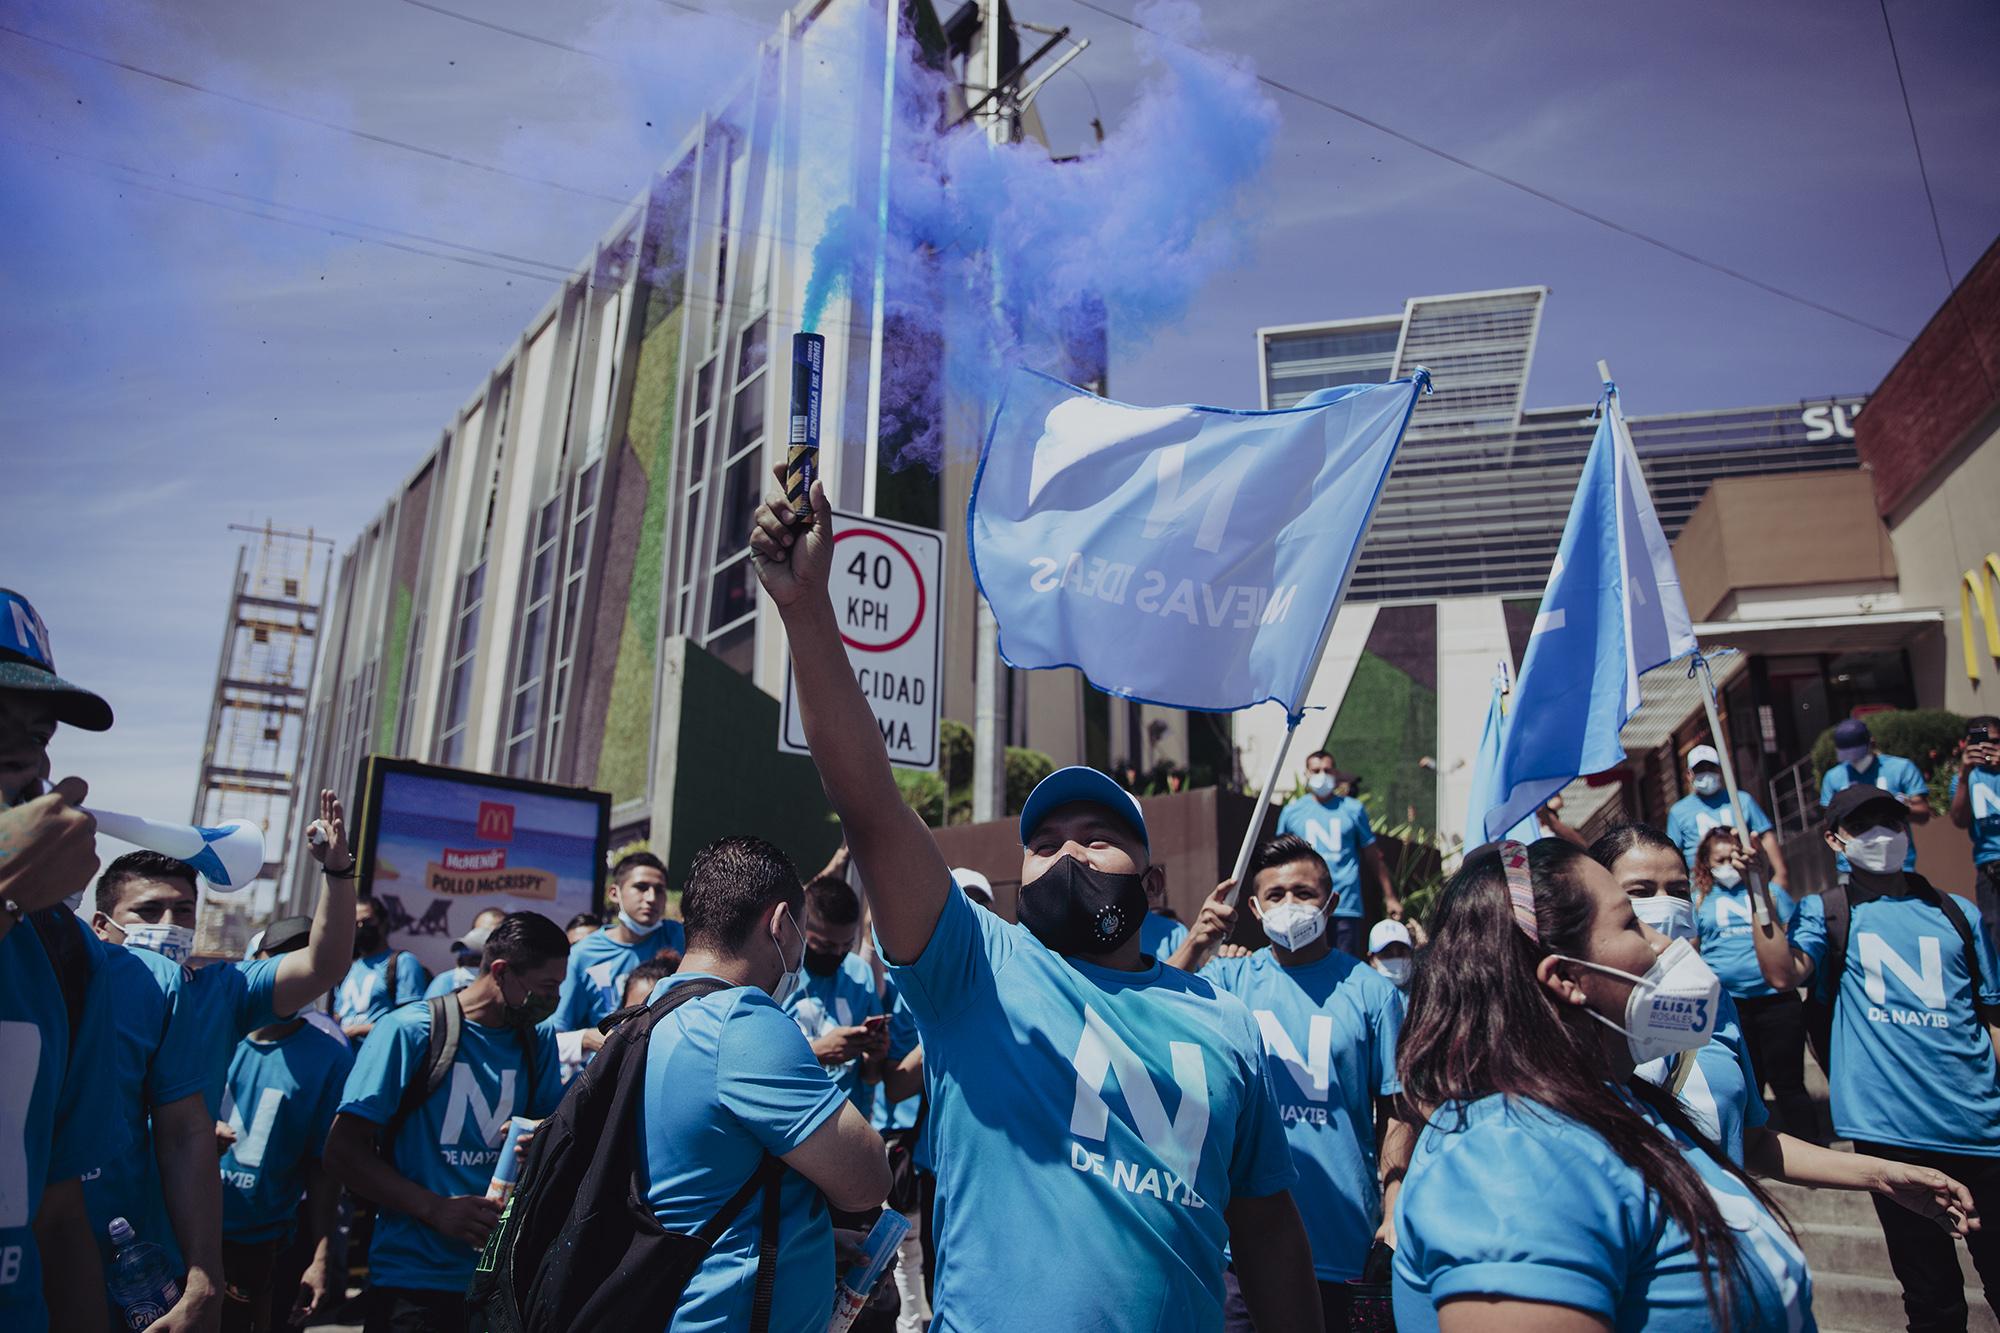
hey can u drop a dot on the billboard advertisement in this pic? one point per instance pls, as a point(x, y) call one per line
point(439, 845)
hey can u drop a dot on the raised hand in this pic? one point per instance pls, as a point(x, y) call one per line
point(327, 836)
point(791, 561)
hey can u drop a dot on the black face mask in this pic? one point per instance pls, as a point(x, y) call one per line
point(367, 940)
point(823, 964)
point(1073, 908)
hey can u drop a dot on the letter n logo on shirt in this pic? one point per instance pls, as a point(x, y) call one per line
point(1177, 1142)
point(1725, 908)
point(1925, 982)
point(464, 1097)
point(248, 1150)
point(1312, 1073)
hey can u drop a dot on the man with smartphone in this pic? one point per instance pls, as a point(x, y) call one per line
point(837, 1004)
point(1975, 807)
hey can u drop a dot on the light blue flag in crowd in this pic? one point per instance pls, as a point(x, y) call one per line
point(1613, 610)
point(1186, 556)
point(1486, 776)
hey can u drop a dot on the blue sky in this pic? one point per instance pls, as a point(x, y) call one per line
point(173, 366)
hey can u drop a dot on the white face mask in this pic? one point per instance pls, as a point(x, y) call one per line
point(1320, 784)
point(1293, 925)
point(625, 920)
point(1725, 877)
point(1879, 850)
point(1672, 1008)
point(1671, 916)
point(172, 942)
point(788, 984)
point(1396, 969)
point(1707, 784)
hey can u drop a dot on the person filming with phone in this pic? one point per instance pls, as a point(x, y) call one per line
point(1975, 807)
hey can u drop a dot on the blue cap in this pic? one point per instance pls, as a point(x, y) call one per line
point(1852, 733)
point(1066, 786)
point(27, 663)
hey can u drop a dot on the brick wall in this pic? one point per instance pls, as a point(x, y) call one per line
point(1945, 384)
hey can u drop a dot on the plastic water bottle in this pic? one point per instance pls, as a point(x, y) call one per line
point(142, 1286)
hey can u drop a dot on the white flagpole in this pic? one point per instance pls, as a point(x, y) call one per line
point(1760, 897)
point(1258, 811)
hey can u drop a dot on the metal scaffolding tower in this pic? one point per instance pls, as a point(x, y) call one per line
point(256, 720)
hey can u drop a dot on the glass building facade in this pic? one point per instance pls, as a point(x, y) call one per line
point(1481, 488)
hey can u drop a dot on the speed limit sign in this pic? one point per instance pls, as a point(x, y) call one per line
point(884, 585)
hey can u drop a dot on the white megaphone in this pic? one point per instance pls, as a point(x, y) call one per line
point(228, 857)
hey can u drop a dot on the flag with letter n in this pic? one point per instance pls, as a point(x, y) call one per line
point(1612, 611)
point(1185, 556)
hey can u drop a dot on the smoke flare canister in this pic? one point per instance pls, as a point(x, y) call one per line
point(507, 1170)
point(802, 464)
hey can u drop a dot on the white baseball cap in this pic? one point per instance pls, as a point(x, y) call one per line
point(1703, 754)
point(1387, 933)
point(975, 885)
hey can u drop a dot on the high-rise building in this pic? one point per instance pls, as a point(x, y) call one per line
point(1447, 584)
point(1476, 503)
point(535, 596)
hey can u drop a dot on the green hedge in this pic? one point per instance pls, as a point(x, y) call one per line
point(1927, 737)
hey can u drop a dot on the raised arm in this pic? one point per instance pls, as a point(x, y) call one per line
point(906, 875)
point(306, 974)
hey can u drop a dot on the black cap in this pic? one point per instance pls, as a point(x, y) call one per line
point(286, 934)
point(26, 663)
point(1852, 800)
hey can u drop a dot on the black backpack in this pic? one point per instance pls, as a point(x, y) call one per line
point(440, 1049)
point(578, 1246)
point(1839, 903)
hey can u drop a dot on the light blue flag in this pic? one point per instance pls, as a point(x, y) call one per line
point(1185, 556)
point(1613, 610)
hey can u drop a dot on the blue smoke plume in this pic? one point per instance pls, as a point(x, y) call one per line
point(997, 255)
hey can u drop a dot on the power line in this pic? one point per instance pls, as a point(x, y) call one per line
point(1944, 258)
point(1525, 188)
point(321, 228)
point(478, 22)
point(1937, 228)
point(303, 118)
point(556, 271)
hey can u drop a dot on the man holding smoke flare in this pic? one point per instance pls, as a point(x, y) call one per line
point(1093, 1096)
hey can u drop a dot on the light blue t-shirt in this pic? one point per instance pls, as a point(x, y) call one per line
point(1506, 1198)
point(280, 1101)
point(231, 1000)
point(1985, 830)
point(450, 1143)
point(841, 1000)
point(1893, 774)
point(1721, 1091)
point(1329, 1031)
point(903, 1039)
point(61, 1114)
point(1691, 817)
point(1728, 939)
point(1115, 1114)
point(594, 986)
point(156, 1053)
point(363, 995)
point(1161, 936)
point(1337, 831)
point(1912, 1064)
point(729, 1078)
point(451, 980)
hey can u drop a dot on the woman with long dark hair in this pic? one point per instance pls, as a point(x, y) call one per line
point(1550, 1190)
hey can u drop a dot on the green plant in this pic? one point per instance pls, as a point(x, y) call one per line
point(955, 749)
point(1024, 769)
point(922, 792)
point(1416, 870)
point(1927, 737)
